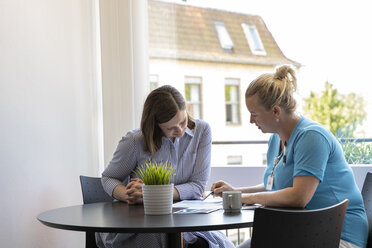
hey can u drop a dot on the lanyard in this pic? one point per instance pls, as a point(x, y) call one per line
point(276, 160)
point(270, 179)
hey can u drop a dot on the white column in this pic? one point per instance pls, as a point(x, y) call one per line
point(141, 84)
point(124, 46)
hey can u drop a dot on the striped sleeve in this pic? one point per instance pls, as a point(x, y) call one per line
point(122, 164)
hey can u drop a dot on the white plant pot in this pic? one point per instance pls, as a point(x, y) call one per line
point(157, 199)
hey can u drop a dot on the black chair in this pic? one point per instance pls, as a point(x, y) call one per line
point(93, 191)
point(291, 228)
point(367, 198)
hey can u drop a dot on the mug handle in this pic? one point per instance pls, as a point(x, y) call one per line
point(230, 202)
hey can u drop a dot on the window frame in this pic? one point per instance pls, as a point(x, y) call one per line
point(224, 37)
point(255, 43)
point(230, 158)
point(195, 80)
point(229, 82)
point(153, 82)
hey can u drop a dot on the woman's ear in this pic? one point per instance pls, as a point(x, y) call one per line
point(277, 111)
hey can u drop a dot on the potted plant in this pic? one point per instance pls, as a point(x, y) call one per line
point(157, 188)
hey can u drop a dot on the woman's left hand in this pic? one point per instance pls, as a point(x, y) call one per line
point(134, 191)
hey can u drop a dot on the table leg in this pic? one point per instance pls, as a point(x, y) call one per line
point(174, 240)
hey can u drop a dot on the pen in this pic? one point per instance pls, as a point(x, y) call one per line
point(205, 197)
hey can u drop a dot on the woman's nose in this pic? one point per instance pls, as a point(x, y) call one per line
point(251, 120)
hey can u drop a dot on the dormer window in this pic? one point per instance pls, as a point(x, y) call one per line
point(223, 36)
point(253, 38)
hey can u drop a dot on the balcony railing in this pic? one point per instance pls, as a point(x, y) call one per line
point(357, 151)
point(256, 142)
point(241, 142)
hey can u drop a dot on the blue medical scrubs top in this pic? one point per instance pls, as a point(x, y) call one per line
point(313, 150)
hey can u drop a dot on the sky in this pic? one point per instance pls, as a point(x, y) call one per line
point(331, 39)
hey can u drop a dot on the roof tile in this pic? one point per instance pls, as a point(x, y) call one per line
point(180, 31)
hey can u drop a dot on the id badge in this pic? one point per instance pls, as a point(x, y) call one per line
point(270, 182)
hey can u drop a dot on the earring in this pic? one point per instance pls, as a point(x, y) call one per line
point(277, 120)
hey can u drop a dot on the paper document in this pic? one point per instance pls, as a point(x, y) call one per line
point(198, 206)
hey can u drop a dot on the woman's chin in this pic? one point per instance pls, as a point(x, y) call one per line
point(261, 130)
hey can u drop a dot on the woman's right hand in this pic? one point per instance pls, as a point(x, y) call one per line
point(219, 187)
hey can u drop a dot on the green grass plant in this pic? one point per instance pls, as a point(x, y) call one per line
point(154, 173)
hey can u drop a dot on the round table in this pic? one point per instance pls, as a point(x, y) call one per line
point(120, 217)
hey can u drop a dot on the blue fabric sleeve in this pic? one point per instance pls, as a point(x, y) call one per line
point(311, 156)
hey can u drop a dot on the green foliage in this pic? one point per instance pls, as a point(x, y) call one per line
point(228, 93)
point(153, 173)
point(335, 110)
point(341, 114)
point(355, 152)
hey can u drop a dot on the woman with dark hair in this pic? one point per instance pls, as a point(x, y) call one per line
point(306, 166)
point(167, 133)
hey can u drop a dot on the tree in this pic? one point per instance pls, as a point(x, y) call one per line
point(334, 110)
point(341, 114)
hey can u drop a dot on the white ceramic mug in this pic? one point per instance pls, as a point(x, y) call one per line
point(232, 201)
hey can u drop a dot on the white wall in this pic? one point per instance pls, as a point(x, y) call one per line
point(48, 114)
point(51, 119)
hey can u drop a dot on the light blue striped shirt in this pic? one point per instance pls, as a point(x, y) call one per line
point(190, 155)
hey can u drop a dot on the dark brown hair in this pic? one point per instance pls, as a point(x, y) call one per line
point(161, 105)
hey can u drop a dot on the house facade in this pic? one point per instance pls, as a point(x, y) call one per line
point(211, 56)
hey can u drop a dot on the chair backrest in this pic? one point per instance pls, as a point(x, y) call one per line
point(93, 191)
point(290, 228)
point(367, 198)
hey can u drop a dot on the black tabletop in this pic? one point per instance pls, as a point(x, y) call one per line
point(121, 217)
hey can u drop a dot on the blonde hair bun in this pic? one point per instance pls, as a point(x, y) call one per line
point(275, 88)
point(287, 75)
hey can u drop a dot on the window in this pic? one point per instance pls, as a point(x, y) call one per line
point(223, 36)
point(154, 82)
point(193, 96)
point(253, 38)
point(232, 101)
point(235, 160)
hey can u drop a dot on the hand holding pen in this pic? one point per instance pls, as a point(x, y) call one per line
point(219, 187)
point(205, 197)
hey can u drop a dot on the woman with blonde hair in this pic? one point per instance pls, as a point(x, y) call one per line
point(167, 133)
point(306, 167)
